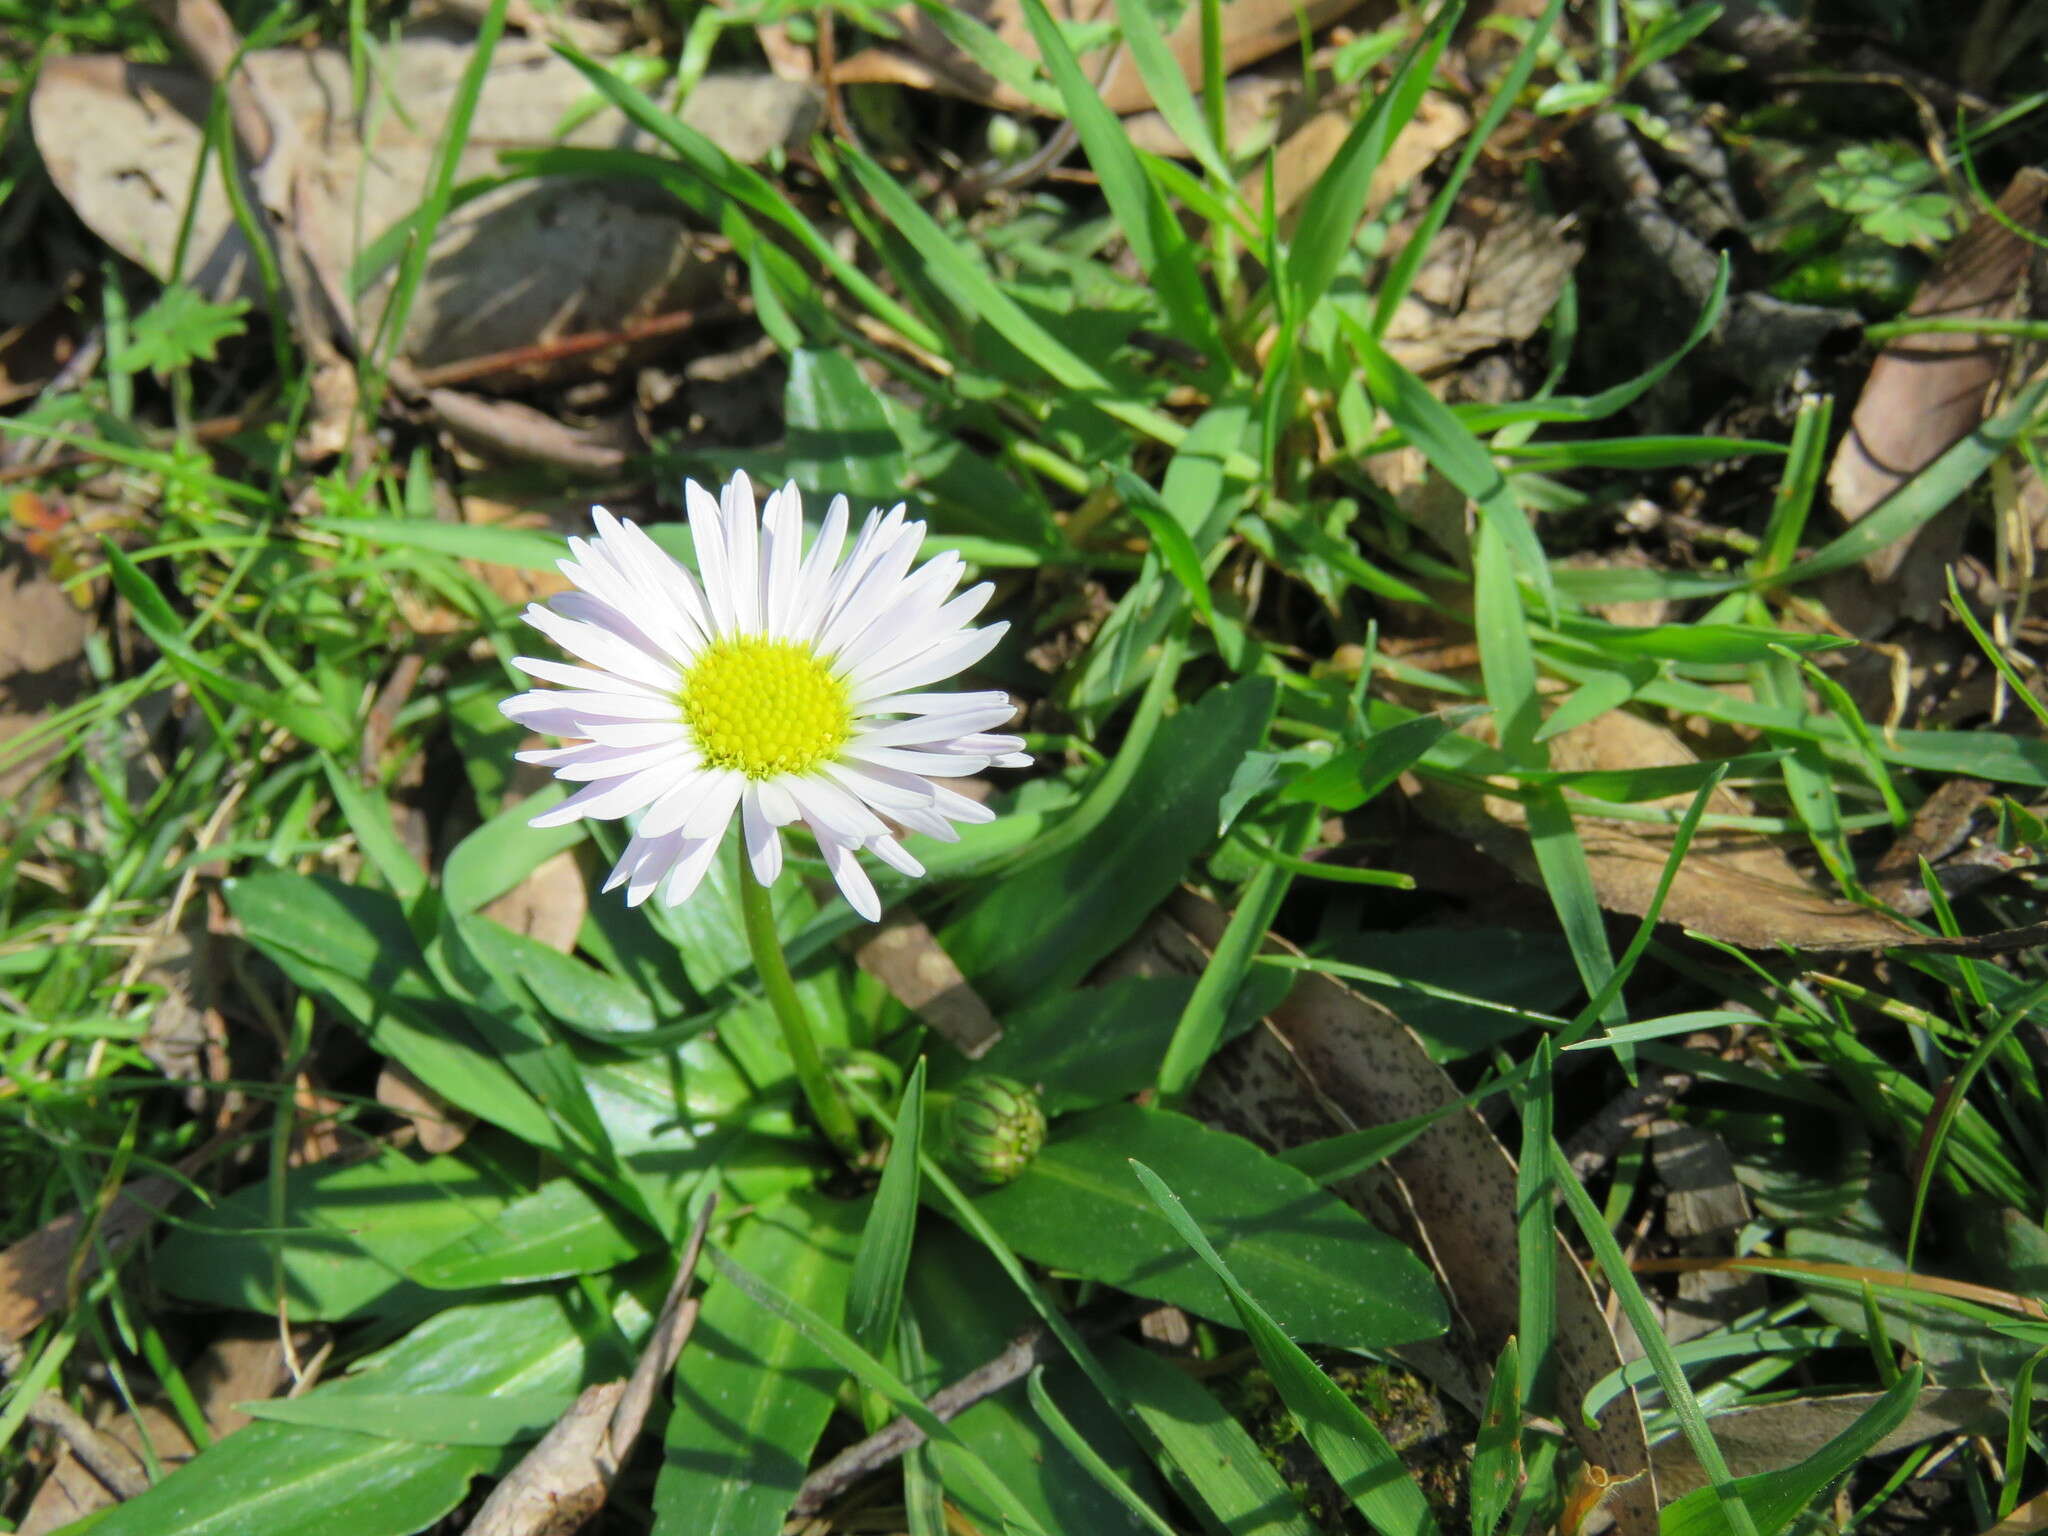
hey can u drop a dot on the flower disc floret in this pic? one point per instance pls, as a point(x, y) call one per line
point(766, 707)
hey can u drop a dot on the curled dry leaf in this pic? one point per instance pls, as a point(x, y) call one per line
point(1327, 1061)
point(1737, 887)
point(529, 261)
point(438, 1125)
point(1927, 392)
point(1303, 156)
point(926, 59)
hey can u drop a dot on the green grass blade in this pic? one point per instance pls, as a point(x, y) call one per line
point(1496, 1472)
point(1155, 237)
point(1670, 1375)
point(1349, 1444)
point(874, 1294)
point(1168, 88)
point(1201, 1022)
point(1077, 1446)
point(1401, 272)
point(1330, 214)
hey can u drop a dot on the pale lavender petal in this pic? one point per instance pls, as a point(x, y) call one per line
point(852, 880)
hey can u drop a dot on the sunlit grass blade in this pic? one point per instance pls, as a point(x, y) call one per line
point(1936, 487)
point(1348, 1443)
point(369, 817)
point(874, 1294)
point(1613, 1264)
point(754, 191)
point(1536, 1238)
point(1169, 90)
point(1201, 1022)
point(1330, 214)
point(1430, 425)
point(1400, 275)
point(1216, 1456)
point(1150, 229)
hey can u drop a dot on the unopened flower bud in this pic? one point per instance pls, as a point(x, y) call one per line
point(994, 1128)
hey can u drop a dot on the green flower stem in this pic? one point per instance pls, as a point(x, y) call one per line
point(827, 1106)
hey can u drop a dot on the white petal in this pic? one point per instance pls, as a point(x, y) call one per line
point(642, 865)
point(673, 809)
point(602, 645)
point(889, 792)
point(933, 728)
point(942, 660)
point(608, 799)
point(713, 813)
point(935, 703)
point(742, 551)
point(689, 870)
point(782, 539)
point(589, 678)
point(878, 651)
point(764, 843)
point(816, 577)
point(852, 880)
point(707, 529)
point(777, 804)
point(584, 706)
point(832, 812)
point(934, 764)
point(893, 853)
point(873, 618)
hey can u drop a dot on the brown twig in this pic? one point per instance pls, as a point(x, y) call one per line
point(893, 1439)
point(104, 1457)
point(384, 713)
point(465, 370)
point(567, 1477)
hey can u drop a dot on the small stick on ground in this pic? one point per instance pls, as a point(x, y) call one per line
point(566, 1478)
point(105, 1458)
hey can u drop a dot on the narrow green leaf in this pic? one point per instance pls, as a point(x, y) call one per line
point(1773, 1500)
point(1077, 1446)
point(1224, 1468)
point(1496, 1472)
point(424, 1418)
point(369, 816)
point(876, 1292)
point(1349, 1444)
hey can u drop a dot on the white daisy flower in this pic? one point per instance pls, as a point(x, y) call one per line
point(783, 688)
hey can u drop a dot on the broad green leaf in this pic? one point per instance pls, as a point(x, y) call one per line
point(838, 436)
point(1040, 928)
point(349, 1235)
point(1087, 1047)
point(581, 996)
point(424, 1418)
point(294, 1480)
point(1776, 1498)
point(1227, 1470)
point(558, 1229)
point(1328, 1272)
point(752, 1394)
point(875, 1293)
point(505, 850)
point(1348, 1443)
point(1356, 774)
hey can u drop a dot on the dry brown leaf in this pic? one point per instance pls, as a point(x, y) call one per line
point(549, 904)
point(926, 59)
point(1737, 887)
point(42, 660)
point(1327, 1061)
point(1925, 393)
point(1704, 1207)
point(907, 958)
point(438, 1125)
point(527, 262)
point(36, 1272)
point(1301, 159)
point(1776, 1435)
point(1493, 274)
point(244, 1365)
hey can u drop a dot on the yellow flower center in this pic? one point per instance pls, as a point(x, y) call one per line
point(765, 707)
